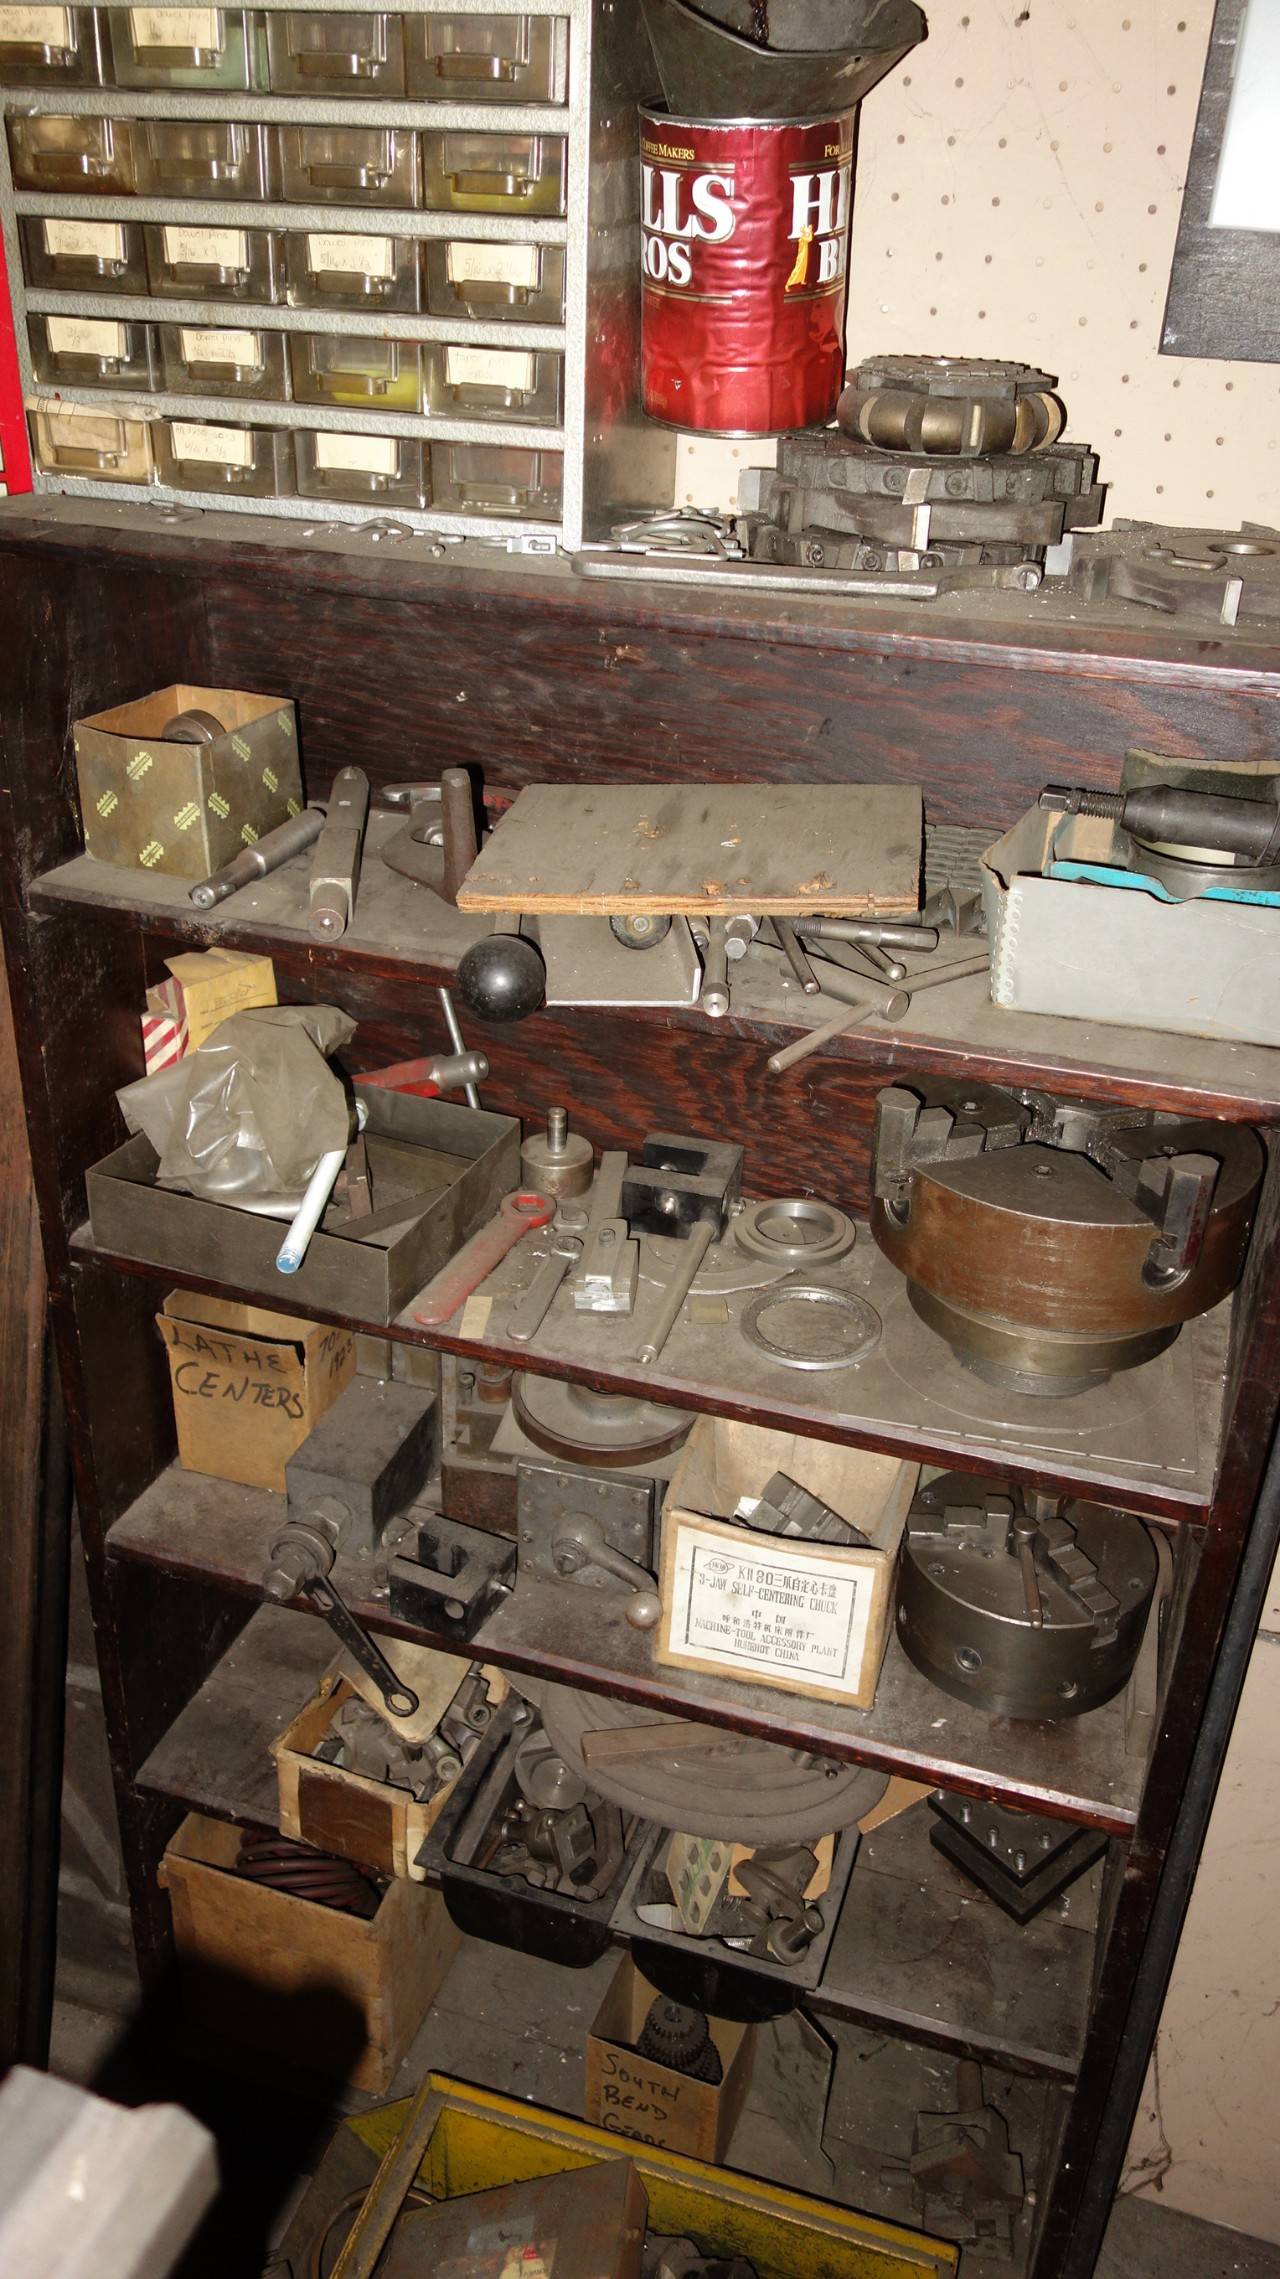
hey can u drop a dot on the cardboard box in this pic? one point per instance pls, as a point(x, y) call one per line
point(372, 1822)
point(248, 1385)
point(808, 1618)
point(1115, 953)
point(630, 2096)
point(185, 808)
point(455, 1163)
point(320, 1990)
point(204, 988)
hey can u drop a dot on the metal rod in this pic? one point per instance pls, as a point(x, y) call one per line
point(933, 977)
point(880, 935)
point(469, 1091)
point(693, 1251)
point(779, 1062)
point(853, 989)
point(258, 861)
point(795, 956)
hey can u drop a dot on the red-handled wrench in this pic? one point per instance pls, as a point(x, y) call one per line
point(517, 1215)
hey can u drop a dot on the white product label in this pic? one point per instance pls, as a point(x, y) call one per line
point(362, 454)
point(219, 446)
point(779, 1611)
point(35, 27)
point(206, 248)
point(358, 256)
point(94, 241)
point(489, 368)
point(85, 336)
point(501, 264)
point(175, 28)
point(242, 348)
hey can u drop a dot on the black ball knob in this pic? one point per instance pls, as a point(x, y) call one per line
point(502, 978)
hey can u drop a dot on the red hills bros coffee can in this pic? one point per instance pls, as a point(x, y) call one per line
point(744, 246)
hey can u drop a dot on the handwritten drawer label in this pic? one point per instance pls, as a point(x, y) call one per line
point(217, 446)
point(492, 264)
point(361, 454)
point(86, 336)
point(511, 369)
point(196, 28)
point(242, 349)
point(328, 255)
point(93, 241)
point(206, 248)
point(36, 27)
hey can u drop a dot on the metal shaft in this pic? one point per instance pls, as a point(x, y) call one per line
point(795, 957)
point(779, 1062)
point(852, 989)
point(470, 1093)
point(1176, 815)
point(458, 823)
point(335, 865)
point(867, 931)
point(693, 1251)
point(279, 846)
point(714, 998)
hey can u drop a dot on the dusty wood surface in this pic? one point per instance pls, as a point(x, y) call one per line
point(851, 850)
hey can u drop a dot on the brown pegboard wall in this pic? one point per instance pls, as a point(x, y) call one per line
point(1017, 194)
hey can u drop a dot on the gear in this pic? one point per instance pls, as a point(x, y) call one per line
point(681, 2039)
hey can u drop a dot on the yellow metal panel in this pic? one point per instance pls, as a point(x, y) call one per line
point(480, 2140)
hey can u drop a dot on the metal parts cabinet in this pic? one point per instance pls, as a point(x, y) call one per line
point(531, 672)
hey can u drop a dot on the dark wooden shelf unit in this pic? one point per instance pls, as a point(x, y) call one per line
point(918, 1950)
point(529, 672)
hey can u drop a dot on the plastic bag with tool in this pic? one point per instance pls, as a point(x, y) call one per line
point(246, 1117)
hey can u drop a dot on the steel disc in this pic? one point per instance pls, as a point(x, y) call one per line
point(584, 1427)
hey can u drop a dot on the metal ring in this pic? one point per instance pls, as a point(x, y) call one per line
point(862, 1322)
point(819, 1233)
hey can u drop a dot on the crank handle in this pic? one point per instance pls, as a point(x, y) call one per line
point(581, 1543)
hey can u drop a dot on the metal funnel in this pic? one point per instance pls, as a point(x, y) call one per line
point(710, 71)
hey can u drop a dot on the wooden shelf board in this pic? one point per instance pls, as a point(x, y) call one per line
point(191, 1526)
point(918, 1951)
point(406, 933)
point(1148, 1440)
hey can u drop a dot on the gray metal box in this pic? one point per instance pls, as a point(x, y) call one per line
point(461, 1160)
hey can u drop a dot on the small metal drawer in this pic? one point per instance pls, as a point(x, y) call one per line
point(185, 47)
point(206, 158)
point(351, 166)
point(186, 261)
point(256, 462)
point(479, 279)
point(314, 53)
point(497, 478)
point(90, 352)
point(55, 153)
point(356, 371)
point(474, 172)
point(219, 360)
point(338, 270)
point(50, 47)
point(363, 470)
point(73, 440)
point(493, 383)
point(488, 59)
point(70, 256)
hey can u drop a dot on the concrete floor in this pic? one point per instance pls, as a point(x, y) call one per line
point(509, 2021)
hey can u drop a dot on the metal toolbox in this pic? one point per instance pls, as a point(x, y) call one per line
point(369, 470)
point(90, 352)
point(487, 279)
point(63, 254)
point(329, 53)
point(493, 383)
point(476, 171)
point(186, 260)
point(192, 455)
point(221, 360)
point(342, 269)
point(462, 1161)
point(50, 47)
point(184, 47)
point(488, 59)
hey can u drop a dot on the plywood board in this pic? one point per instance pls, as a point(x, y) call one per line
point(847, 850)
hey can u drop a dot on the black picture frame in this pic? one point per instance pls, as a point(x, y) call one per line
point(1224, 286)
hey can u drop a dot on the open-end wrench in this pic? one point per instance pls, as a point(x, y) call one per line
point(517, 1215)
